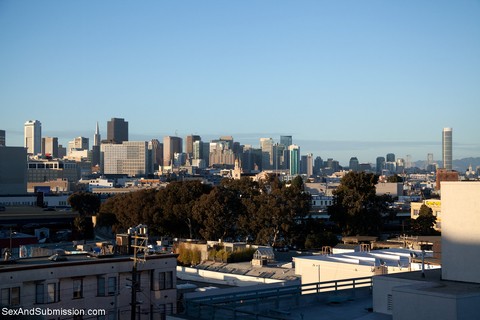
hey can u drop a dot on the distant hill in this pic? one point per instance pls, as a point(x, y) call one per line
point(461, 165)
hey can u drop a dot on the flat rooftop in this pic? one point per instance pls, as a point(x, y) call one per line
point(388, 257)
point(71, 260)
point(435, 283)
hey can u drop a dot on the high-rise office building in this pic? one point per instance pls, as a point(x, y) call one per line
point(354, 164)
point(171, 145)
point(309, 165)
point(286, 140)
point(33, 136)
point(266, 144)
point(157, 152)
point(380, 165)
point(96, 137)
point(429, 158)
point(390, 157)
point(130, 158)
point(447, 149)
point(189, 144)
point(317, 165)
point(117, 130)
point(2, 138)
point(79, 143)
point(50, 146)
point(294, 159)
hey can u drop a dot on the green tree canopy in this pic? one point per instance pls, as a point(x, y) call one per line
point(356, 208)
point(423, 225)
point(218, 212)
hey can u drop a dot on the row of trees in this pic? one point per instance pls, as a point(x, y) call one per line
point(263, 212)
point(268, 212)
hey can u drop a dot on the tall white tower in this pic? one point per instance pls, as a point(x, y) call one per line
point(447, 149)
point(33, 136)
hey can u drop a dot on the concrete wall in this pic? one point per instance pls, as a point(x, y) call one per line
point(424, 302)
point(319, 271)
point(383, 287)
point(392, 188)
point(414, 302)
point(460, 231)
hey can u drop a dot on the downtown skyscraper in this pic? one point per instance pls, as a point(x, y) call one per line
point(117, 130)
point(447, 156)
point(33, 136)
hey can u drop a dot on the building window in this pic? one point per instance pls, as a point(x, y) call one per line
point(101, 286)
point(106, 286)
point(47, 293)
point(77, 288)
point(112, 286)
point(165, 280)
point(39, 293)
point(10, 296)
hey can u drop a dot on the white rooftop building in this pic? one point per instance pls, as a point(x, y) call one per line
point(357, 264)
point(453, 293)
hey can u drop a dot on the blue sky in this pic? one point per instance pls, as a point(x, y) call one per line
point(344, 78)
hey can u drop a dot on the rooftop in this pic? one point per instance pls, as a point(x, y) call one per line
point(388, 257)
point(71, 260)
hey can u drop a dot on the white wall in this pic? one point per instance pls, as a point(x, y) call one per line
point(461, 231)
point(383, 287)
point(319, 270)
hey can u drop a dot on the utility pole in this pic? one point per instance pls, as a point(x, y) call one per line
point(140, 241)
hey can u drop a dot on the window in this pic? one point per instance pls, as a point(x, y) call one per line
point(47, 293)
point(165, 280)
point(101, 286)
point(51, 292)
point(112, 286)
point(77, 288)
point(106, 286)
point(39, 293)
point(10, 296)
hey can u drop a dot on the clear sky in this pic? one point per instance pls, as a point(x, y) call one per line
point(344, 78)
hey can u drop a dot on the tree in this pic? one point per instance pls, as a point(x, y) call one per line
point(425, 222)
point(177, 201)
point(356, 208)
point(278, 208)
point(84, 227)
point(84, 202)
point(87, 204)
point(134, 208)
point(395, 178)
point(217, 212)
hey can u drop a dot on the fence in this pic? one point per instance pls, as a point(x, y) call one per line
point(273, 303)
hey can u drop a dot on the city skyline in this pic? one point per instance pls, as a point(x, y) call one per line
point(256, 142)
point(344, 79)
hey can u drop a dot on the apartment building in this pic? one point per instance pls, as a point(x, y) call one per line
point(86, 287)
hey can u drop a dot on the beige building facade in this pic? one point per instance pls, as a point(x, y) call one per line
point(98, 287)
